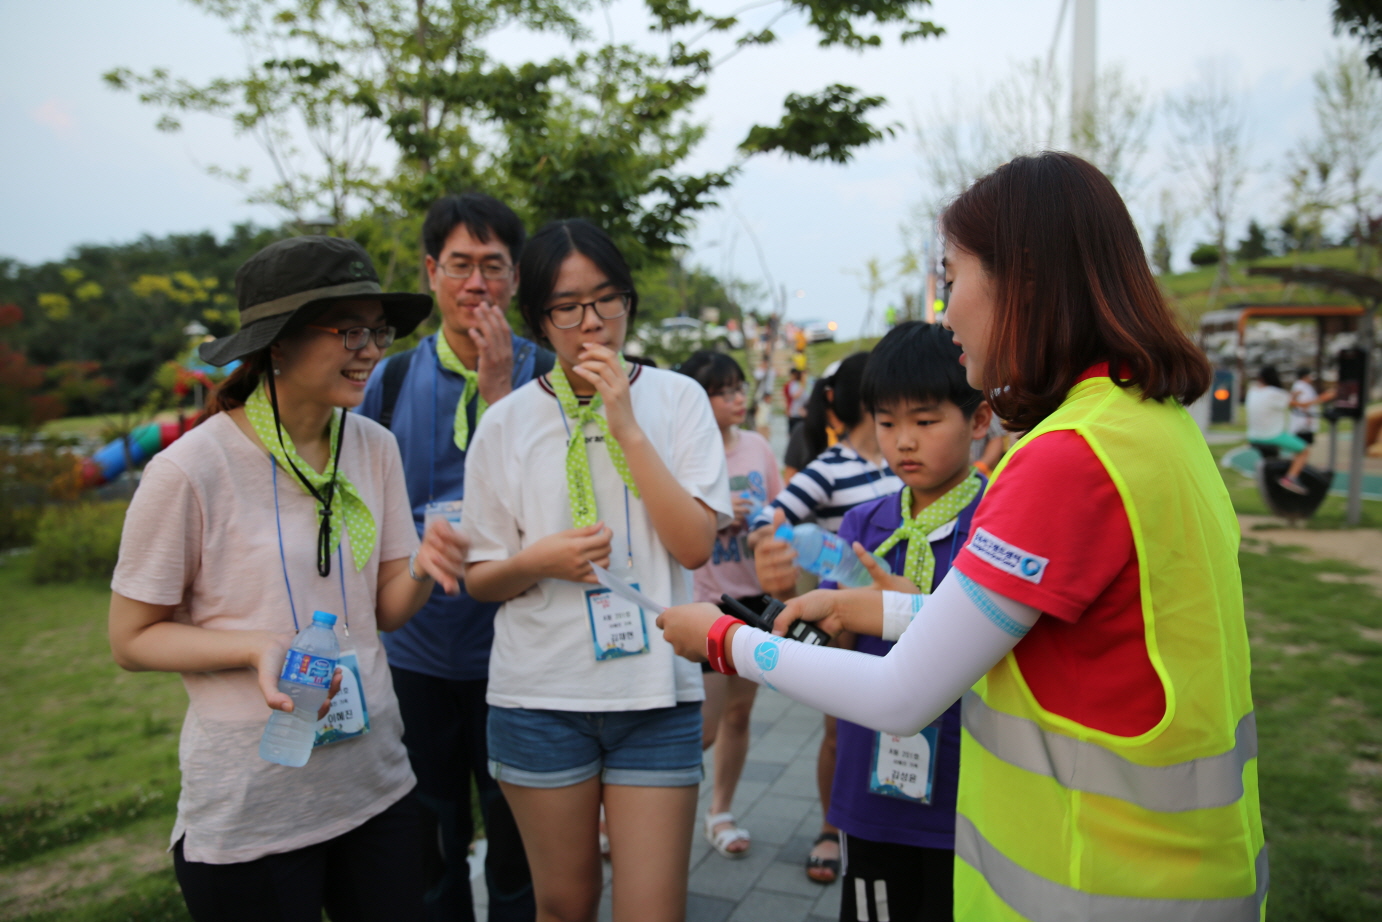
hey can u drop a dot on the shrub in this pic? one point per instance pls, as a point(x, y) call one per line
point(75, 542)
point(33, 473)
point(1206, 254)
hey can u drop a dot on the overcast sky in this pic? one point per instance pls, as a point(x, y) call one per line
point(84, 164)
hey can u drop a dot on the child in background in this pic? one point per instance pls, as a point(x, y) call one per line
point(753, 478)
point(894, 799)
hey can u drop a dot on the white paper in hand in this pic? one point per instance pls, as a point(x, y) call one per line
point(622, 589)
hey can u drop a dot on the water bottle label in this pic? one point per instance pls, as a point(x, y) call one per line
point(832, 552)
point(307, 669)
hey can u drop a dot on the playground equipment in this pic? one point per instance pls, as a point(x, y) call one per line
point(113, 458)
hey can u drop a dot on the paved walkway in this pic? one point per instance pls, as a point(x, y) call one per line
point(776, 802)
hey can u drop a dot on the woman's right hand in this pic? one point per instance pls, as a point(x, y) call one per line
point(568, 554)
point(273, 650)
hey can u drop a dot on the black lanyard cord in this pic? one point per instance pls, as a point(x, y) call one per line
point(325, 501)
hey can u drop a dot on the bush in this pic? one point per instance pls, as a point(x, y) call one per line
point(33, 473)
point(1206, 254)
point(77, 542)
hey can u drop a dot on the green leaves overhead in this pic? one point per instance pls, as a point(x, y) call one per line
point(827, 126)
point(602, 130)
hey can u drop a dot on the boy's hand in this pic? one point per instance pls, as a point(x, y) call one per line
point(882, 579)
point(775, 561)
point(817, 606)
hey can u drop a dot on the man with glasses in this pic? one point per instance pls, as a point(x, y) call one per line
point(432, 398)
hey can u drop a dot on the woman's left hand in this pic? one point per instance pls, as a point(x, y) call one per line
point(442, 555)
point(600, 366)
point(686, 627)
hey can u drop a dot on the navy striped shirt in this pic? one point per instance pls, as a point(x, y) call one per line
point(837, 481)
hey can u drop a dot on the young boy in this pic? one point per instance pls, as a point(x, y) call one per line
point(893, 798)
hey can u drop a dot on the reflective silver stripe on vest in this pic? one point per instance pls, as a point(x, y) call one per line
point(1040, 900)
point(1198, 784)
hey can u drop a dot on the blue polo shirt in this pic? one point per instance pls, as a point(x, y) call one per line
point(853, 807)
point(450, 636)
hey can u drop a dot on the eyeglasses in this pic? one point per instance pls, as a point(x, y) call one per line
point(729, 393)
point(607, 307)
point(356, 338)
point(464, 270)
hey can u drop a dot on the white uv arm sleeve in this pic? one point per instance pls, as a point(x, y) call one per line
point(961, 632)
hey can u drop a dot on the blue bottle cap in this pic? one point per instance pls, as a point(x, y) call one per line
point(324, 617)
point(784, 532)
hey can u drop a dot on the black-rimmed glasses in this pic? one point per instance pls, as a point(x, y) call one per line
point(356, 338)
point(607, 307)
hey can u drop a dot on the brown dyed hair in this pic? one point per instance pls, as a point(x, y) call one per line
point(1072, 289)
point(238, 385)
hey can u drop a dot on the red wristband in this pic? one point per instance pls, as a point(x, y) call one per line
point(715, 644)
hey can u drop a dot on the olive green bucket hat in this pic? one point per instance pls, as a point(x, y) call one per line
point(304, 274)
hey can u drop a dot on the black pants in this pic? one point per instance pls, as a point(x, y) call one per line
point(371, 874)
point(444, 729)
point(901, 883)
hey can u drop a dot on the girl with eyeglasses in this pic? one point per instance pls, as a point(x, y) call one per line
point(616, 465)
point(278, 504)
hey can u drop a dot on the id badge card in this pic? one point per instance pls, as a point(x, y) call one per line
point(349, 715)
point(904, 767)
point(450, 510)
point(617, 626)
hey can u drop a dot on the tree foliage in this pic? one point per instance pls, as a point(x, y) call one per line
point(1363, 20)
point(601, 132)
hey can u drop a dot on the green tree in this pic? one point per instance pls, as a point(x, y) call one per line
point(1254, 245)
point(602, 132)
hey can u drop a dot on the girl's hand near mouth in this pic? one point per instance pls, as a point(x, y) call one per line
point(600, 366)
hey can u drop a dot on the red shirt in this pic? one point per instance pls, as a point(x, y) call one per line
point(1052, 533)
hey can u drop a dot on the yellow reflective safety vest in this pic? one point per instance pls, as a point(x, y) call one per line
point(1059, 822)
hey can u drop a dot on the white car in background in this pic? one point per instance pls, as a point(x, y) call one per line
point(819, 331)
point(674, 334)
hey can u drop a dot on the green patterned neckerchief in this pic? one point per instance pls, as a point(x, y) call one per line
point(578, 482)
point(461, 427)
point(359, 521)
point(920, 567)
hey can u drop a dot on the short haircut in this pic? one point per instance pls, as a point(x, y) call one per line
point(481, 214)
point(713, 371)
point(1269, 376)
point(1072, 288)
point(917, 363)
point(548, 249)
point(1305, 371)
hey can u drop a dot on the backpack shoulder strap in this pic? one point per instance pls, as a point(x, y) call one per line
point(395, 370)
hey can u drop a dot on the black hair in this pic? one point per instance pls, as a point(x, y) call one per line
point(713, 371)
point(1269, 376)
point(548, 249)
point(481, 214)
point(1304, 371)
point(839, 393)
point(917, 362)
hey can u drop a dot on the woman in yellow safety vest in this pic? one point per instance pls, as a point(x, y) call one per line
point(1093, 626)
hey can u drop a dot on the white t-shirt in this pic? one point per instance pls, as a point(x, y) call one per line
point(1304, 419)
point(1266, 408)
point(544, 653)
point(201, 534)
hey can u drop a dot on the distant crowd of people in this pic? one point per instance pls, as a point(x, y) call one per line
point(1038, 709)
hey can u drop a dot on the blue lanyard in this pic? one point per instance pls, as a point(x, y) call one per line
point(628, 520)
point(283, 560)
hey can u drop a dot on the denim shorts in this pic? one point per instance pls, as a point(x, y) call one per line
point(659, 748)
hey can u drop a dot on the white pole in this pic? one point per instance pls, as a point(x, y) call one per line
point(1082, 73)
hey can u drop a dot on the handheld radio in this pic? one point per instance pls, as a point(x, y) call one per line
point(763, 611)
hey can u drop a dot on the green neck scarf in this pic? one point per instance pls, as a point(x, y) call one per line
point(579, 485)
point(461, 427)
point(920, 566)
point(359, 521)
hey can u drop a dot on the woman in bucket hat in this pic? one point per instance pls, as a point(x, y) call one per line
point(281, 503)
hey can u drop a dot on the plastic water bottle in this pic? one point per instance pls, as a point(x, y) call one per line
point(756, 506)
point(827, 555)
point(306, 678)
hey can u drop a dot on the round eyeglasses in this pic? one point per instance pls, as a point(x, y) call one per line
point(356, 338)
point(607, 307)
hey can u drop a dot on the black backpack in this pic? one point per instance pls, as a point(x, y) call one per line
point(396, 369)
